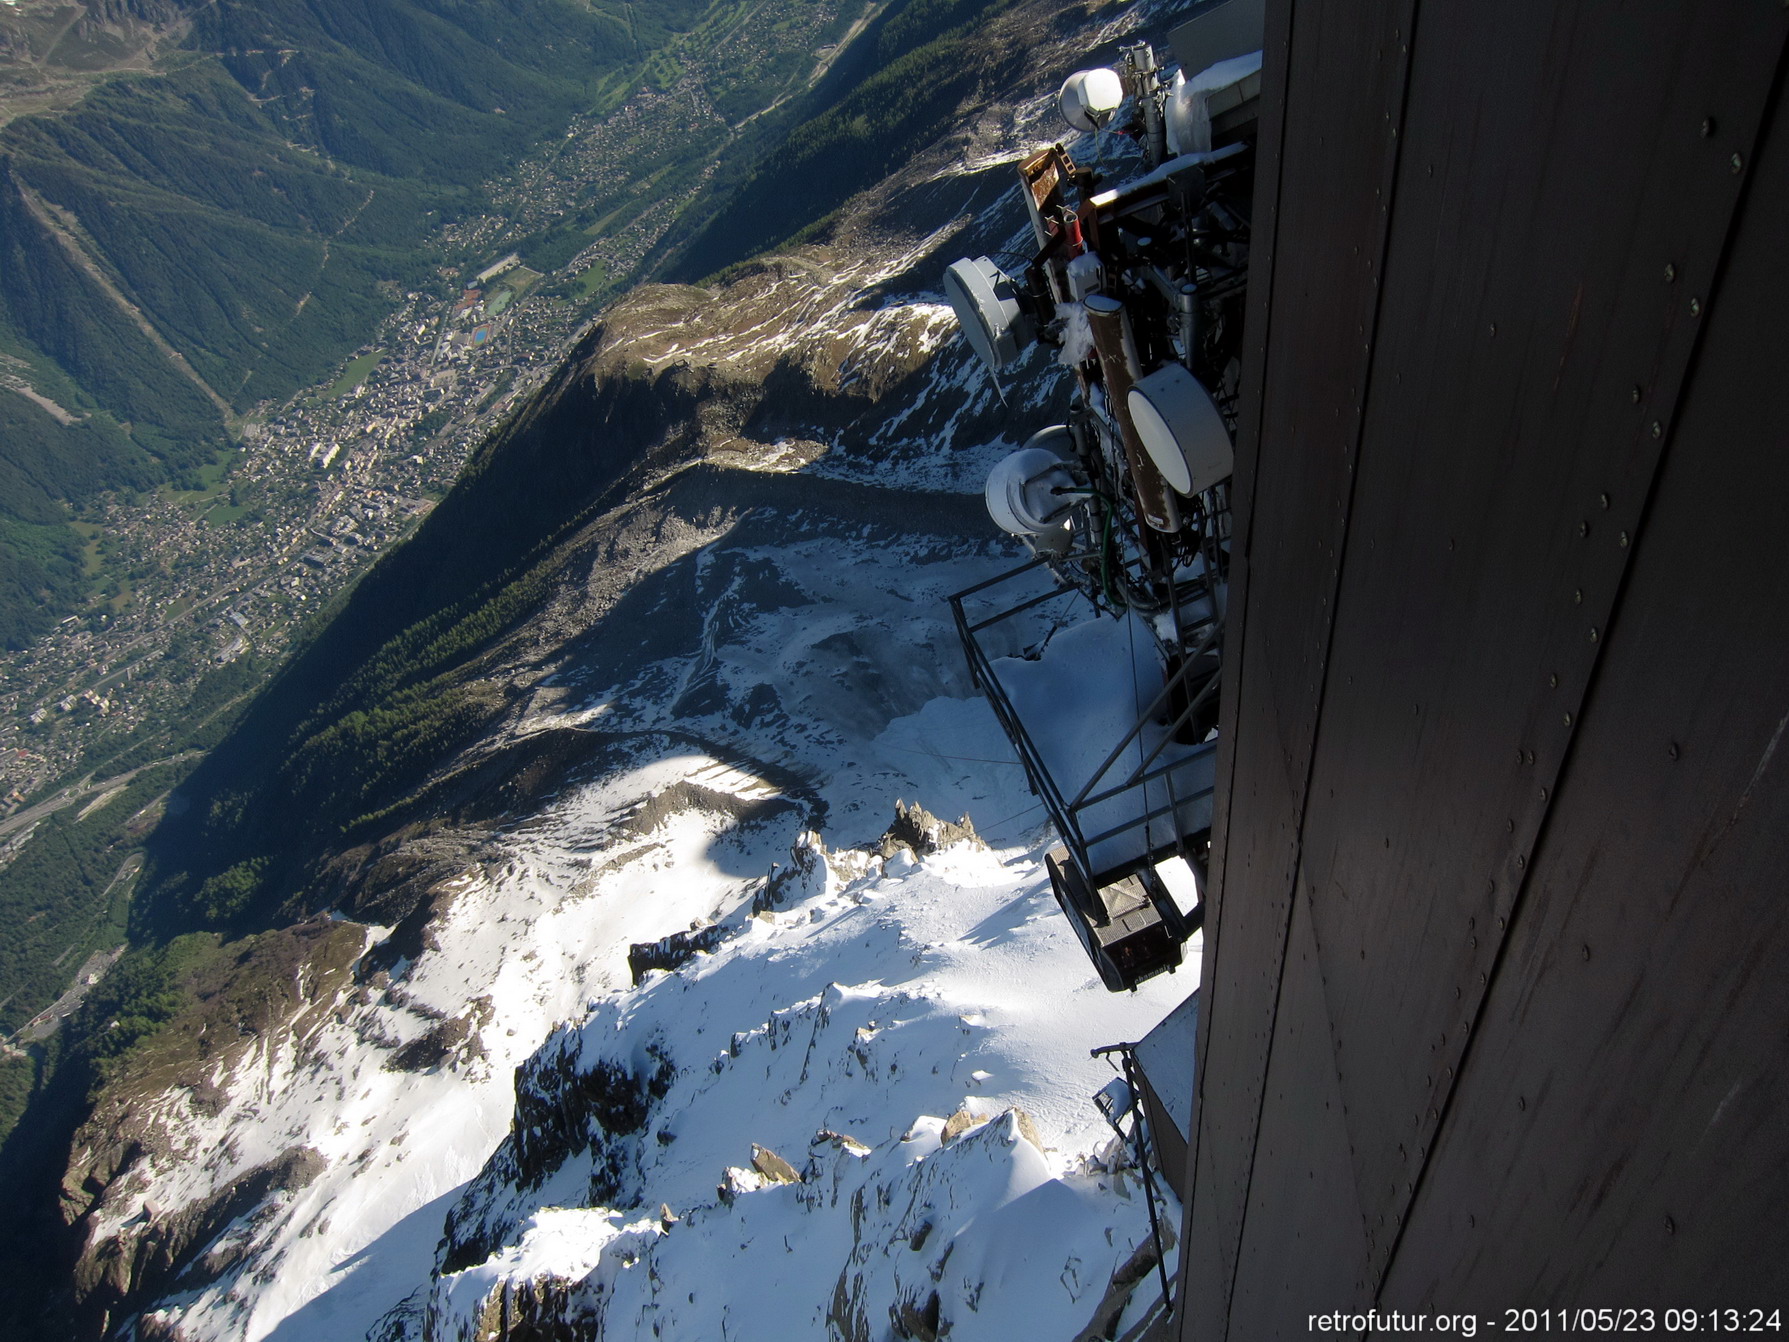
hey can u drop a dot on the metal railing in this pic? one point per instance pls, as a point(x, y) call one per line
point(1156, 773)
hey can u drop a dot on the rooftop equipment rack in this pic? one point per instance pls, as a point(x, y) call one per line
point(1138, 283)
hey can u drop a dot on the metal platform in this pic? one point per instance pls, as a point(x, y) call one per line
point(1058, 680)
point(1143, 796)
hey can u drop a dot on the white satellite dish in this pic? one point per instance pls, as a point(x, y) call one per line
point(1090, 97)
point(986, 302)
point(1021, 488)
point(1182, 430)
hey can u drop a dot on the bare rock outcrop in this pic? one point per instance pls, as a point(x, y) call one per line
point(121, 1272)
point(918, 829)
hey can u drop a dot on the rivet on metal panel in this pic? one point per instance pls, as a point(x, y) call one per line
point(1695, 307)
point(1553, 680)
point(1658, 429)
point(1670, 272)
point(1604, 500)
point(1521, 1102)
point(1670, 1226)
point(1491, 889)
point(1531, 757)
point(1521, 861)
point(1585, 950)
point(1578, 597)
point(1671, 751)
point(1520, 756)
point(1623, 541)
point(1471, 1221)
point(1472, 943)
point(1493, 329)
point(1593, 633)
point(1568, 719)
point(1583, 528)
point(1512, 827)
point(1543, 794)
point(1635, 394)
point(1736, 163)
point(1707, 127)
point(1500, 924)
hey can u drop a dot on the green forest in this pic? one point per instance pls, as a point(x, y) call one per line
point(63, 897)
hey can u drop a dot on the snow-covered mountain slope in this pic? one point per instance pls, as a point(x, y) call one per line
point(853, 1099)
point(840, 1033)
point(840, 1026)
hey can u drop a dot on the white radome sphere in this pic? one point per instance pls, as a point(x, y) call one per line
point(1090, 97)
point(1020, 492)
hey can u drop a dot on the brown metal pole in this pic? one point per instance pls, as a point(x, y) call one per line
point(1117, 350)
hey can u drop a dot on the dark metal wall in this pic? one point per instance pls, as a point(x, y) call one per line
point(1497, 968)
